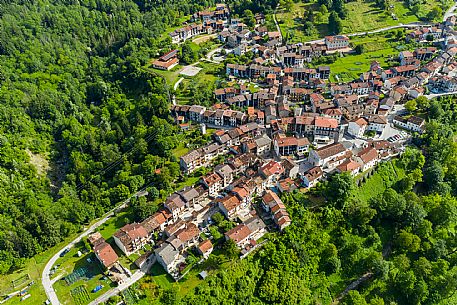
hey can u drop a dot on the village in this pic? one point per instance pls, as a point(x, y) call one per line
point(295, 130)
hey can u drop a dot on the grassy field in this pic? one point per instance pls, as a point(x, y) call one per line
point(362, 16)
point(33, 267)
point(72, 263)
point(377, 48)
point(375, 185)
point(94, 277)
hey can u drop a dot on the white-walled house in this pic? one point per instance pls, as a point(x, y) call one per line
point(357, 127)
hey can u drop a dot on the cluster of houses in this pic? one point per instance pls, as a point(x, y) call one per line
point(203, 22)
point(296, 130)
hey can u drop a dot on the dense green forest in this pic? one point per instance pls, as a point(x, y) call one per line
point(84, 125)
point(76, 102)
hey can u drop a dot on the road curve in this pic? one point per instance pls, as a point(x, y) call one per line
point(434, 95)
point(450, 12)
point(45, 277)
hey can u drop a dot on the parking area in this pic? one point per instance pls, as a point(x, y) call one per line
point(190, 71)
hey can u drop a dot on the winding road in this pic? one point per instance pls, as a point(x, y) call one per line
point(45, 278)
point(450, 12)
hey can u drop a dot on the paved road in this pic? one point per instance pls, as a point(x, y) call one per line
point(176, 85)
point(276, 21)
point(450, 12)
point(433, 95)
point(45, 278)
point(389, 28)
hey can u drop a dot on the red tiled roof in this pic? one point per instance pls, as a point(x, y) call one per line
point(106, 254)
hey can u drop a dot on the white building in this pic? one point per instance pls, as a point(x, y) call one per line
point(356, 128)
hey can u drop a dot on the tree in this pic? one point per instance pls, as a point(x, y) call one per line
point(416, 9)
point(335, 24)
point(411, 105)
point(360, 49)
point(169, 297)
point(218, 218)
point(231, 249)
point(338, 6)
point(318, 18)
point(354, 298)
point(435, 13)
point(339, 188)
point(407, 241)
point(423, 103)
point(249, 18)
point(323, 9)
point(433, 175)
point(188, 54)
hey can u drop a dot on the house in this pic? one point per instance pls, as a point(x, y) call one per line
point(261, 146)
point(230, 206)
point(368, 157)
point(286, 146)
point(274, 205)
point(156, 222)
point(175, 205)
point(256, 226)
point(324, 126)
point(131, 237)
point(286, 185)
point(226, 173)
point(239, 234)
point(191, 161)
point(189, 195)
point(377, 123)
point(247, 233)
point(271, 172)
point(412, 123)
point(95, 239)
point(167, 61)
point(214, 183)
point(349, 166)
point(312, 176)
point(205, 248)
point(416, 92)
point(336, 42)
point(269, 200)
point(406, 58)
point(188, 236)
point(105, 254)
point(290, 168)
point(333, 113)
point(357, 127)
point(167, 255)
point(322, 156)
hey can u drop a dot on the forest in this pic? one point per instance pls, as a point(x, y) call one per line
point(82, 124)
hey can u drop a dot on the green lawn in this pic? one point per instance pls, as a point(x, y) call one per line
point(34, 268)
point(376, 185)
point(170, 76)
point(377, 48)
point(161, 277)
point(95, 278)
point(362, 16)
